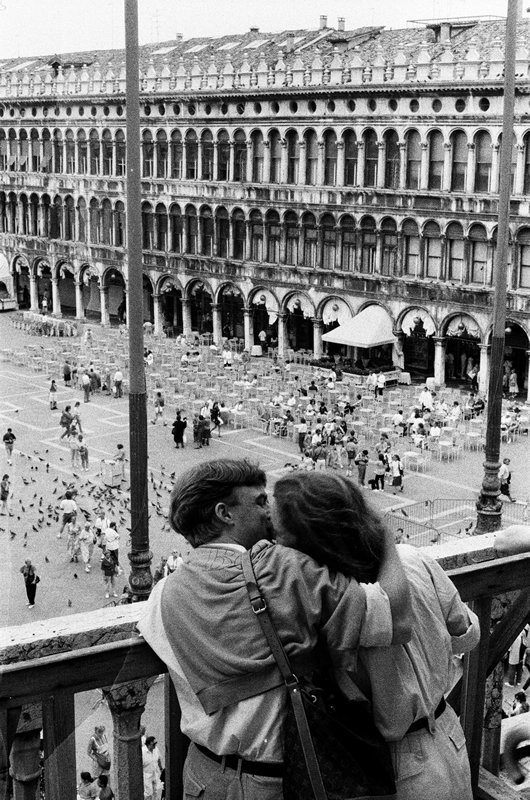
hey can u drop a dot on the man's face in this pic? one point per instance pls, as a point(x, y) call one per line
point(250, 514)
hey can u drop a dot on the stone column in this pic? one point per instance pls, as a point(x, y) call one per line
point(360, 163)
point(424, 166)
point(249, 161)
point(157, 315)
point(56, 300)
point(248, 248)
point(380, 180)
point(217, 324)
point(127, 704)
point(446, 178)
point(247, 327)
point(231, 163)
point(33, 294)
point(483, 369)
point(302, 164)
point(470, 176)
point(518, 187)
point(104, 305)
point(186, 316)
point(494, 187)
point(79, 311)
point(320, 164)
point(281, 335)
point(378, 252)
point(340, 164)
point(402, 165)
point(266, 162)
point(25, 765)
point(317, 337)
point(199, 162)
point(283, 163)
point(439, 361)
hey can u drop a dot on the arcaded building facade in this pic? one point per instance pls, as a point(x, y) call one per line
point(290, 182)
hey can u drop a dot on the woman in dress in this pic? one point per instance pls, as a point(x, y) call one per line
point(98, 750)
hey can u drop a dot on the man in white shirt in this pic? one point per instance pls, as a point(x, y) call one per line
point(118, 383)
point(151, 765)
point(68, 508)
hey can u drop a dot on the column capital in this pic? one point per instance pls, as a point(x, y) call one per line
point(318, 322)
point(438, 340)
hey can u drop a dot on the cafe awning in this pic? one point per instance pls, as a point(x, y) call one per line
point(371, 327)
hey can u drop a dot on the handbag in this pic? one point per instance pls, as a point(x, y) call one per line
point(102, 760)
point(332, 749)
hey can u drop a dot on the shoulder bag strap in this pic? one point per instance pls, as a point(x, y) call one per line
point(259, 607)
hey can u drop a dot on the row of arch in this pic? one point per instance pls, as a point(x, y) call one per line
point(434, 160)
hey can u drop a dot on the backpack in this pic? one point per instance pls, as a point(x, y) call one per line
point(64, 422)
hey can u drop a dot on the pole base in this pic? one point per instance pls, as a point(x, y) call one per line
point(489, 515)
point(140, 579)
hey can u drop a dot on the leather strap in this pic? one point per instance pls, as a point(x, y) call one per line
point(259, 606)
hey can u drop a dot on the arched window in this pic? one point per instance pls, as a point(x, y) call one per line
point(190, 229)
point(161, 155)
point(433, 250)
point(35, 151)
point(275, 144)
point(119, 224)
point(309, 228)
point(526, 182)
point(292, 237)
point(256, 236)
point(392, 159)
point(23, 159)
point(69, 218)
point(413, 160)
point(47, 151)
point(272, 221)
point(192, 154)
point(238, 234)
point(3, 151)
point(293, 156)
point(523, 243)
point(257, 156)
point(13, 150)
point(483, 155)
point(436, 160)
point(206, 230)
point(58, 161)
point(514, 159)
point(175, 229)
point(56, 219)
point(82, 153)
point(223, 232)
point(240, 156)
point(24, 221)
point(121, 154)
point(411, 248)
point(350, 159)
point(311, 156)
point(3, 212)
point(147, 226)
point(370, 158)
point(389, 245)
point(207, 156)
point(12, 213)
point(106, 222)
point(368, 244)
point(478, 254)
point(46, 212)
point(82, 218)
point(69, 151)
point(459, 165)
point(161, 227)
point(148, 154)
point(330, 158)
point(94, 150)
point(329, 242)
point(347, 235)
point(223, 156)
point(107, 152)
point(455, 252)
point(176, 155)
point(33, 215)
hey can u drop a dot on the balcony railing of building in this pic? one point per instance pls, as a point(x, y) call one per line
point(43, 666)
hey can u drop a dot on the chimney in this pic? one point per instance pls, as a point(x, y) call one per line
point(178, 37)
point(289, 46)
point(323, 22)
point(445, 32)
point(254, 29)
point(340, 24)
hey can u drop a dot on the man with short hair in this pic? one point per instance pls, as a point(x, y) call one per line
point(68, 508)
point(201, 624)
point(505, 478)
point(118, 383)
point(9, 439)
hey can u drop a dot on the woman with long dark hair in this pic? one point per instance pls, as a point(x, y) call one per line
point(325, 516)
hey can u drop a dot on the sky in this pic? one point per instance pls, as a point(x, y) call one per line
point(42, 27)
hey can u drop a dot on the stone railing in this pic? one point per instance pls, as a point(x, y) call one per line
point(44, 664)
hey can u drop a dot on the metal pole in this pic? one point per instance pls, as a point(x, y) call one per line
point(489, 506)
point(140, 556)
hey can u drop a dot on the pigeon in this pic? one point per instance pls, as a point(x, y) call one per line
point(47, 560)
point(403, 512)
point(75, 574)
point(69, 604)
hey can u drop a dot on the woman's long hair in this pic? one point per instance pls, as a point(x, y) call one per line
point(332, 522)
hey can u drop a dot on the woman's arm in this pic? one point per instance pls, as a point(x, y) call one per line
point(392, 579)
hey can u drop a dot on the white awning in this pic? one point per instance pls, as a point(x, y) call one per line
point(371, 327)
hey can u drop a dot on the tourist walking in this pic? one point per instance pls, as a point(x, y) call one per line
point(119, 458)
point(83, 452)
point(111, 542)
point(98, 750)
point(396, 472)
point(31, 579)
point(85, 385)
point(68, 509)
point(118, 383)
point(159, 404)
point(505, 478)
point(66, 421)
point(73, 443)
point(381, 467)
point(109, 569)
point(87, 788)
point(151, 768)
point(177, 431)
point(86, 541)
point(67, 373)
point(5, 495)
point(9, 441)
point(53, 396)
point(362, 462)
point(215, 416)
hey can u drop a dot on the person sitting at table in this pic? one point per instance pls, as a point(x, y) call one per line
point(468, 407)
point(441, 409)
point(425, 399)
point(456, 412)
point(435, 432)
point(322, 409)
point(478, 406)
point(291, 400)
point(312, 389)
point(330, 384)
point(239, 406)
point(398, 422)
point(185, 359)
point(277, 399)
point(383, 446)
point(311, 409)
point(420, 437)
point(413, 421)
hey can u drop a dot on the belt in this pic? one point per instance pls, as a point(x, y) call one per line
point(424, 721)
point(268, 769)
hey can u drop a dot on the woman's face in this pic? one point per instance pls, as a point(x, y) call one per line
point(281, 534)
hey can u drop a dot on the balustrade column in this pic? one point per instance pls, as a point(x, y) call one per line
point(446, 179)
point(518, 187)
point(215, 161)
point(56, 300)
point(378, 252)
point(320, 163)
point(248, 175)
point(40, 219)
point(79, 312)
point(494, 187)
point(302, 164)
point(100, 158)
point(248, 243)
point(217, 324)
point(112, 168)
point(402, 165)
point(33, 294)
point(266, 162)
point(424, 166)
point(470, 174)
point(340, 164)
point(317, 338)
point(360, 164)
point(231, 163)
point(483, 369)
point(283, 162)
point(104, 305)
point(439, 361)
point(155, 159)
point(127, 704)
point(380, 182)
point(186, 316)
point(281, 335)
point(199, 162)
point(247, 327)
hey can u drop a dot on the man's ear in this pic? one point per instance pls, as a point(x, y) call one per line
point(222, 512)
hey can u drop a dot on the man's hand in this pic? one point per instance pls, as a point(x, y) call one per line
point(513, 540)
